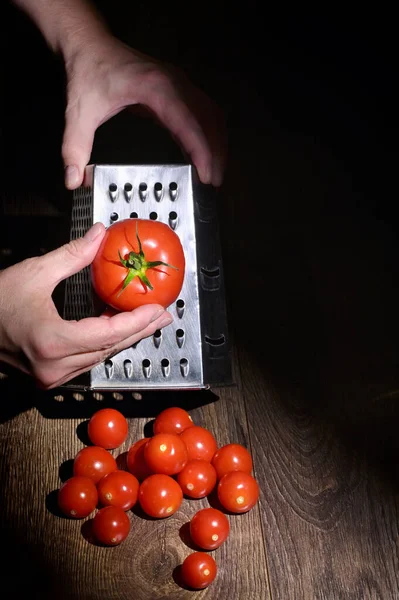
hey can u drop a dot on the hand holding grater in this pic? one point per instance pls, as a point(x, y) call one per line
point(194, 351)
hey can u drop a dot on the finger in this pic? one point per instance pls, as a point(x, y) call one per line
point(212, 121)
point(71, 258)
point(175, 115)
point(72, 366)
point(77, 143)
point(99, 334)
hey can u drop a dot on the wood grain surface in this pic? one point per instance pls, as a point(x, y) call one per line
point(59, 557)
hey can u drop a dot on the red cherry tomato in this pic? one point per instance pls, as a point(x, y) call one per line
point(119, 488)
point(160, 496)
point(165, 453)
point(209, 528)
point(136, 462)
point(232, 457)
point(238, 492)
point(130, 254)
point(111, 525)
point(200, 443)
point(198, 570)
point(197, 479)
point(77, 497)
point(94, 462)
point(108, 428)
point(172, 420)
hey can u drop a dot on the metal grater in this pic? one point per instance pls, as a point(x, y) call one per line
point(194, 351)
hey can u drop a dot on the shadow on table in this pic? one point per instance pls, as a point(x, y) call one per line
point(18, 394)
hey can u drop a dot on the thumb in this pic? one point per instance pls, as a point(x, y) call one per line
point(72, 257)
point(77, 145)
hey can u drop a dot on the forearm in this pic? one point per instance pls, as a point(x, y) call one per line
point(65, 24)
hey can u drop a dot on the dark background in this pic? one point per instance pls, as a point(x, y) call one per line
point(309, 198)
point(309, 224)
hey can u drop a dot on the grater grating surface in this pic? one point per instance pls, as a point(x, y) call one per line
point(192, 352)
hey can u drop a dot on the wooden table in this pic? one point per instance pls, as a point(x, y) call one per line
point(312, 286)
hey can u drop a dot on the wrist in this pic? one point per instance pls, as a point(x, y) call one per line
point(67, 25)
point(75, 38)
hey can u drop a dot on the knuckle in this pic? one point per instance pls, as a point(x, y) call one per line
point(44, 349)
point(158, 78)
point(73, 249)
point(45, 376)
point(113, 337)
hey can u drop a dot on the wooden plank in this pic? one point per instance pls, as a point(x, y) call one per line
point(331, 525)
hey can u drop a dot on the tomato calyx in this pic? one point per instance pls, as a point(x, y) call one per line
point(137, 266)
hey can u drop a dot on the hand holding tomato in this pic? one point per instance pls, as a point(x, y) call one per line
point(33, 336)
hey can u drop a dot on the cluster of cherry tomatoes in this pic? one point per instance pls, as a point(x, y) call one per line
point(180, 459)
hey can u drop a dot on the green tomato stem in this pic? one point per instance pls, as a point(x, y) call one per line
point(137, 266)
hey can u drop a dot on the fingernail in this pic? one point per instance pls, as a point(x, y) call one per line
point(71, 177)
point(207, 176)
point(94, 232)
point(156, 315)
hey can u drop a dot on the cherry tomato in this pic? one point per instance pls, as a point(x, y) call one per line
point(111, 525)
point(198, 570)
point(238, 492)
point(119, 488)
point(165, 453)
point(232, 457)
point(209, 528)
point(197, 479)
point(108, 428)
point(200, 443)
point(160, 496)
point(139, 261)
point(94, 462)
point(136, 462)
point(172, 420)
point(77, 497)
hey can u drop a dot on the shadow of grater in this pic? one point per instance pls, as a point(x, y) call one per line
point(194, 351)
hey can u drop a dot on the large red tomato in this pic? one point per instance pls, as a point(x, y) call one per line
point(139, 261)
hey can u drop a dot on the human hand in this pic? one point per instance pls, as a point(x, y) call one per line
point(105, 76)
point(33, 336)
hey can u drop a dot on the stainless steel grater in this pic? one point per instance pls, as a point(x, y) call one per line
point(194, 351)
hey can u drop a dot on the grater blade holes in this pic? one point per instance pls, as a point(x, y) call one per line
point(143, 191)
point(219, 341)
point(180, 306)
point(117, 396)
point(153, 216)
point(173, 219)
point(173, 190)
point(97, 396)
point(78, 397)
point(109, 368)
point(128, 368)
point(165, 366)
point(113, 217)
point(180, 337)
point(158, 191)
point(157, 337)
point(59, 398)
point(137, 396)
point(113, 191)
point(184, 366)
point(133, 215)
point(210, 278)
point(146, 367)
point(128, 189)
